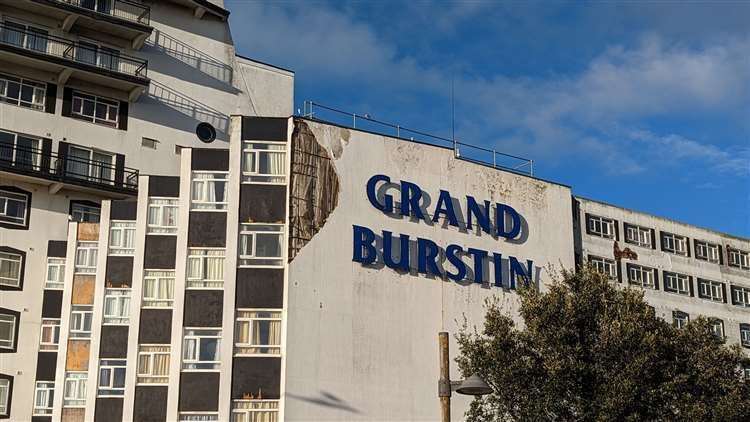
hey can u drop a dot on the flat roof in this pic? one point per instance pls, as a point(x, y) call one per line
point(263, 63)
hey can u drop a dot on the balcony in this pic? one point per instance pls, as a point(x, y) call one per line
point(57, 171)
point(35, 48)
point(123, 19)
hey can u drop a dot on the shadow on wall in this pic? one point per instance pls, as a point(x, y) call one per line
point(326, 399)
point(195, 111)
point(191, 57)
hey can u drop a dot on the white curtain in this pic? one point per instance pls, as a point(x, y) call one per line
point(246, 244)
point(214, 265)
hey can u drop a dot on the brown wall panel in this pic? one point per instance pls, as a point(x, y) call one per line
point(77, 358)
point(88, 231)
point(83, 289)
point(73, 414)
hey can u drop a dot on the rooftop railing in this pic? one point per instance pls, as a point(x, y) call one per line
point(123, 9)
point(80, 171)
point(462, 150)
point(38, 41)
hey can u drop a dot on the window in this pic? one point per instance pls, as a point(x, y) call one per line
point(4, 396)
point(111, 378)
point(116, 306)
point(24, 36)
point(637, 235)
point(80, 321)
point(706, 251)
point(50, 337)
point(674, 243)
point(605, 266)
point(153, 364)
point(149, 143)
point(641, 276)
point(95, 109)
point(258, 332)
point(680, 319)
point(44, 396)
point(90, 164)
point(55, 273)
point(122, 238)
point(22, 92)
point(600, 226)
point(158, 288)
point(13, 208)
point(162, 215)
point(205, 268)
point(198, 416)
point(711, 290)
point(209, 191)
point(20, 150)
point(745, 335)
point(200, 349)
point(8, 330)
point(263, 162)
point(676, 283)
point(741, 296)
point(10, 269)
point(261, 245)
point(255, 410)
point(84, 213)
point(717, 328)
point(75, 389)
point(86, 253)
point(738, 258)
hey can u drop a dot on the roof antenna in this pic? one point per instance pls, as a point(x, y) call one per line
point(456, 154)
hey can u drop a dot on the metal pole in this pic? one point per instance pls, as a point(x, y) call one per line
point(354, 116)
point(494, 159)
point(444, 383)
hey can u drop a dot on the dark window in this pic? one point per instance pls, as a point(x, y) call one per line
point(9, 324)
point(15, 206)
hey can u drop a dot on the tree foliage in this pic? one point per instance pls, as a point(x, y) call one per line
point(591, 351)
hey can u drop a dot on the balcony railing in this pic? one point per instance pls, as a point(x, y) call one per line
point(122, 9)
point(38, 41)
point(79, 171)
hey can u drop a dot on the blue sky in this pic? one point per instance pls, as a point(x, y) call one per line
point(641, 104)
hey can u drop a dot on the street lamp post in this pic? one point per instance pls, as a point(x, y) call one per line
point(474, 385)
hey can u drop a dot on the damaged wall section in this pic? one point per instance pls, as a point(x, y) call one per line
point(314, 187)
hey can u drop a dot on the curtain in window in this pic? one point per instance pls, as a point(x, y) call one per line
point(149, 288)
point(110, 306)
point(246, 244)
point(194, 267)
point(267, 333)
point(10, 267)
point(190, 349)
point(161, 364)
point(276, 163)
point(243, 332)
point(144, 364)
point(214, 265)
point(248, 162)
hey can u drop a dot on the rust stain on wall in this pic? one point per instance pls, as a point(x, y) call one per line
point(78, 355)
point(83, 289)
point(314, 187)
point(88, 231)
point(73, 414)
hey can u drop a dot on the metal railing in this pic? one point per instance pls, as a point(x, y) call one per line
point(80, 171)
point(462, 150)
point(38, 41)
point(123, 9)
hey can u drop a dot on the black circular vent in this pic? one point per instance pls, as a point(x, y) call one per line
point(206, 133)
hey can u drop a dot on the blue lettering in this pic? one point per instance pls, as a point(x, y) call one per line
point(445, 206)
point(364, 239)
point(372, 194)
point(451, 253)
point(427, 252)
point(479, 256)
point(411, 195)
point(481, 214)
point(500, 211)
point(403, 262)
point(517, 270)
point(497, 261)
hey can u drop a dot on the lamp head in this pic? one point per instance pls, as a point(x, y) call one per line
point(474, 386)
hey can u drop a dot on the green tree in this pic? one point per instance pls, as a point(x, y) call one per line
point(588, 351)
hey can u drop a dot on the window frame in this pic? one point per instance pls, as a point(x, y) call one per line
point(640, 231)
point(58, 263)
point(700, 245)
point(35, 153)
point(48, 388)
point(112, 366)
point(22, 82)
point(742, 300)
point(192, 282)
point(247, 176)
point(745, 335)
point(679, 278)
point(88, 246)
point(95, 100)
point(676, 239)
point(12, 319)
point(253, 261)
point(600, 263)
point(591, 226)
point(157, 302)
point(161, 229)
point(249, 410)
point(6, 386)
point(77, 330)
point(193, 363)
point(709, 291)
point(718, 322)
point(9, 193)
point(79, 379)
point(249, 320)
point(733, 253)
point(5, 282)
point(94, 167)
point(188, 415)
point(204, 204)
point(119, 295)
point(680, 319)
point(52, 324)
point(126, 230)
point(148, 378)
point(641, 270)
point(85, 208)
